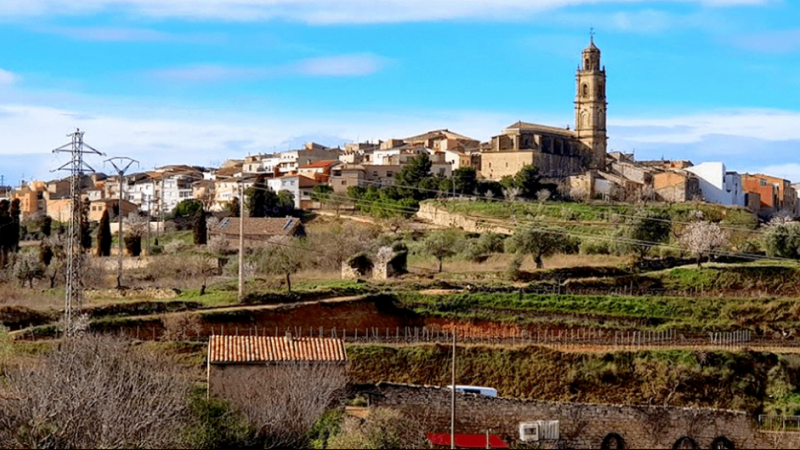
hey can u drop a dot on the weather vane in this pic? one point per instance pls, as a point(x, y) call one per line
point(591, 34)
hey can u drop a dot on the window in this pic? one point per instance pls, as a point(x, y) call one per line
point(585, 90)
point(344, 182)
point(441, 172)
point(389, 173)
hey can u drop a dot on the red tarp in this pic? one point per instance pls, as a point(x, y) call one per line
point(467, 440)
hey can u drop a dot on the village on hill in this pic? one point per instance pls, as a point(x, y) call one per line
point(533, 290)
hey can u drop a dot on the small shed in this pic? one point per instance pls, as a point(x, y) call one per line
point(259, 231)
point(238, 364)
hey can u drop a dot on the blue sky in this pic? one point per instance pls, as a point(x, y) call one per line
point(199, 81)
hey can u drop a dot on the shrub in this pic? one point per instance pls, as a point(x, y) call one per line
point(133, 244)
point(111, 396)
point(782, 238)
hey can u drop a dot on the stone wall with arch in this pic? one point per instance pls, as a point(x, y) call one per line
point(584, 425)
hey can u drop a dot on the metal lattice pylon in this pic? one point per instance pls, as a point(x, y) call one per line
point(74, 289)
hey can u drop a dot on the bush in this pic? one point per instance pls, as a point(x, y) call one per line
point(133, 244)
point(383, 429)
point(111, 396)
point(216, 425)
point(782, 239)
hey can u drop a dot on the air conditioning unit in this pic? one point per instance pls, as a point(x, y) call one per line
point(542, 430)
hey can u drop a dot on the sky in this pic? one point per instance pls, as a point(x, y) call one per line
point(199, 81)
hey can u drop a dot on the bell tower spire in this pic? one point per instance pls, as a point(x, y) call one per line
point(591, 105)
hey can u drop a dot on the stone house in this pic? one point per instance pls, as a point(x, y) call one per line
point(237, 365)
point(676, 186)
point(258, 231)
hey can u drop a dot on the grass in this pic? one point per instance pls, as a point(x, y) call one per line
point(499, 263)
point(679, 378)
point(598, 212)
point(690, 314)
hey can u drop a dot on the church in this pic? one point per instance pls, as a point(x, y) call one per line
point(558, 152)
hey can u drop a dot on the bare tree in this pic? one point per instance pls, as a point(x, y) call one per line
point(27, 268)
point(94, 392)
point(284, 401)
point(703, 238)
point(201, 267)
point(137, 224)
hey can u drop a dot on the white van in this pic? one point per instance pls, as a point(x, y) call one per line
point(479, 390)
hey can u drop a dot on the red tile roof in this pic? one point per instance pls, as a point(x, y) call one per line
point(320, 164)
point(466, 440)
point(263, 349)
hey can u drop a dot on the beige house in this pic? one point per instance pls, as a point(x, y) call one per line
point(676, 186)
point(238, 366)
point(97, 207)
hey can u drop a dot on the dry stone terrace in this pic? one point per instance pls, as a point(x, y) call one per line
point(582, 425)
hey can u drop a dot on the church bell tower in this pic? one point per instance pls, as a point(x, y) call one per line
point(591, 106)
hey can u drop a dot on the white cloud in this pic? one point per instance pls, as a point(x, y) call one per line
point(328, 66)
point(206, 137)
point(319, 11)
point(767, 125)
point(789, 171)
point(777, 42)
point(7, 77)
point(117, 34)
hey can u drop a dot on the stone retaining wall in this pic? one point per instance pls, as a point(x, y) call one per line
point(430, 213)
point(582, 425)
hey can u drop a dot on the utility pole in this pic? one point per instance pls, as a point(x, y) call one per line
point(121, 172)
point(453, 398)
point(241, 240)
point(74, 288)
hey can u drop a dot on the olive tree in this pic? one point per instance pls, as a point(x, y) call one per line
point(441, 245)
point(647, 230)
point(284, 258)
point(537, 242)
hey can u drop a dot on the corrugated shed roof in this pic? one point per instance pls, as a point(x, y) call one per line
point(264, 349)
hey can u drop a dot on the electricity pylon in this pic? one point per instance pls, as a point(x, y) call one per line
point(74, 289)
point(122, 160)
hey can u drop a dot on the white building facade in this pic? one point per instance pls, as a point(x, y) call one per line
point(719, 185)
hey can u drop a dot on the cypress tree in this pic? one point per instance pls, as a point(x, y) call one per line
point(104, 236)
point(5, 232)
point(15, 212)
point(86, 233)
point(200, 228)
point(47, 226)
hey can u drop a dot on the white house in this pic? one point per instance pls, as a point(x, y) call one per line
point(717, 185)
point(298, 185)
